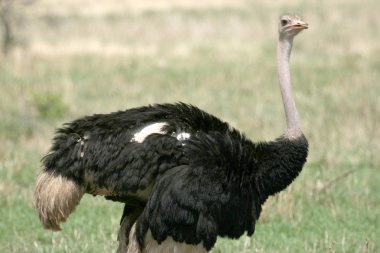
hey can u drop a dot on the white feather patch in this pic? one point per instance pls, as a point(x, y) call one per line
point(183, 136)
point(155, 128)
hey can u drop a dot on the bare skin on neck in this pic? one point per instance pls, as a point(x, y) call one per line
point(289, 27)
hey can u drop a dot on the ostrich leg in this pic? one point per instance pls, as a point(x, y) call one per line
point(130, 215)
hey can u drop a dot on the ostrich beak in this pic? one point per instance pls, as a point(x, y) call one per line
point(299, 25)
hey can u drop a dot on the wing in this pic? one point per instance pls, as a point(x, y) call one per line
point(198, 201)
point(176, 209)
point(125, 151)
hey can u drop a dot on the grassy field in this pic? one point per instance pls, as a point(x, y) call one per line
point(85, 57)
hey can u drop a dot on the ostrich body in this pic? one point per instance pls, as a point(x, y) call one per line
point(184, 175)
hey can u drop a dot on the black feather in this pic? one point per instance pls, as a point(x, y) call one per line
point(212, 184)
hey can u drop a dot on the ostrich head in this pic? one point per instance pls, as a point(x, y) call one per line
point(290, 26)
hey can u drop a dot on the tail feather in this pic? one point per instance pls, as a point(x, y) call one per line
point(55, 198)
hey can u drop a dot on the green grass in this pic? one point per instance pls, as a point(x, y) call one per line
point(223, 60)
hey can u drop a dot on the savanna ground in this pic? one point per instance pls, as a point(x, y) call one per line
point(83, 57)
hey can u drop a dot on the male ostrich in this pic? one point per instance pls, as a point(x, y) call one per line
point(185, 176)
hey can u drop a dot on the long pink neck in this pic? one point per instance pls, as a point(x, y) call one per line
point(284, 49)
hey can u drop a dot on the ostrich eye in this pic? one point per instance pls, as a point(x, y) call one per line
point(284, 22)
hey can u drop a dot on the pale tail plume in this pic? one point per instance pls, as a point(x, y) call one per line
point(55, 198)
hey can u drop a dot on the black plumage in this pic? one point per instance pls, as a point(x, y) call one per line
point(184, 175)
point(103, 145)
point(211, 184)
point(221, 189)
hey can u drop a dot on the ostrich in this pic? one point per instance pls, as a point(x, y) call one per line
point(184, 175)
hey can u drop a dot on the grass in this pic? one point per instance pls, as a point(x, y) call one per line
point(222, 59)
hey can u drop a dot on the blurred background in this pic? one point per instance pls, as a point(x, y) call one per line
point(61, 60)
